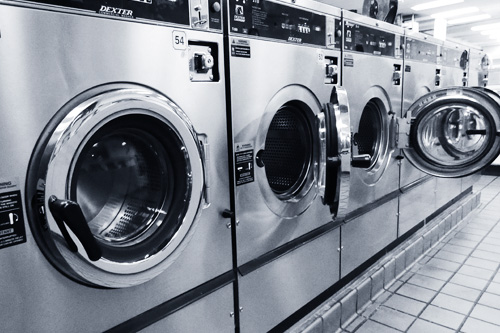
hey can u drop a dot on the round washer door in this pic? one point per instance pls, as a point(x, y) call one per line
point(335, 160)
point(454, 132)
point(116, 185)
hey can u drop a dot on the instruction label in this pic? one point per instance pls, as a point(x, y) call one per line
point(240, 48)
point(244, 165)
point(12, 231)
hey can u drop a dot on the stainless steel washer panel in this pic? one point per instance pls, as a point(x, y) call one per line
point(369, 80)
point(422, 71)
point(382, 177)
point(46, 59)
point(270, 79)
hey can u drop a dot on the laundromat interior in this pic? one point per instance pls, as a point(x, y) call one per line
point(249, 166)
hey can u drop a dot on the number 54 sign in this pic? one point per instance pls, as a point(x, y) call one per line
point(179, 40)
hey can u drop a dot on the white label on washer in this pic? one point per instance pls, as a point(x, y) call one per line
point(12, 231)
point(321, 58)
point(244, 163)
point(179, 40)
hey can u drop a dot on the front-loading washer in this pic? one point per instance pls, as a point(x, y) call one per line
point(455, 73)
point(452, 134)
point(422, 74)
point(479, 64)
point(372, 64)
point(291, 154)
point(114, 170)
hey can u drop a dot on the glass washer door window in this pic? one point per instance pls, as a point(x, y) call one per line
point(130, 161)
point(455, 132)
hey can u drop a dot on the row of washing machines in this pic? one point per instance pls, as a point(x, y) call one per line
point(195, 165)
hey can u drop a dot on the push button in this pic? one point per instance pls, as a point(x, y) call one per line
point(215, 8)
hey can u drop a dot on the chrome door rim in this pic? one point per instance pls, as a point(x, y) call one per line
point(58, 161)
point(298, 204)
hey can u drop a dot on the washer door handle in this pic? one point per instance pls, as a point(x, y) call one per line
point(69, 212)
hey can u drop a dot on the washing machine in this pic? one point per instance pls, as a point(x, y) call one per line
point(478, 77)
point(479, 64)
point(291, 152)
point(114, 169)
point(372, 64)
point(421, 75)
point(455, 73)
point(452, 132)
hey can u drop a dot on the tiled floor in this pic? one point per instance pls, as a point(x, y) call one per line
point(455, 287)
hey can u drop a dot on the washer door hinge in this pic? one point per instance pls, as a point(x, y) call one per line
point(400, 131)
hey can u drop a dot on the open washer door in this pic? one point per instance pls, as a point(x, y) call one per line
point(452, 132)
point(335, 158)
point(116, 184)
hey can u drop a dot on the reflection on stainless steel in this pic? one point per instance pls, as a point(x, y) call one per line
point(134, 164)
point(344, 148)
point(121, 180)
point(373, 138)
point(301, 107)
point(369, 137)
point(444, 136)
point(288, 150)
point(454, 131)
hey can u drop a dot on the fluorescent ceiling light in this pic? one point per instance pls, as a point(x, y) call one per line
point(456, 12)
point(489, 32)
point(435, 4)
point(486, 27)
point(469, 19)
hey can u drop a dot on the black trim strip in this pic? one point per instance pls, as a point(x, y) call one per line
point(230, 159)
point(492, 170)
point(287, 248)
point(328, 293)
point(448, 204)
point(163, 310)
point(371, 206)
point(416, 183)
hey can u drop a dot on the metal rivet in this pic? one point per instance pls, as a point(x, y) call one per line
point(228, 225)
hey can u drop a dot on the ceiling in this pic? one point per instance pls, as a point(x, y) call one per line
point(460, 32)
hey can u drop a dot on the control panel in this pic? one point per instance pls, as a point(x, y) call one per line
point(206, 14)
point(282, 22)
point(203, 14)
point(370, 40)
point(422, 51)
point(455, 57)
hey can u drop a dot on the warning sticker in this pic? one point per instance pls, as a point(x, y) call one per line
point(240, 48)
point(240, 51)
point(348, 61)
point(12, 229)
point(244, 165)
